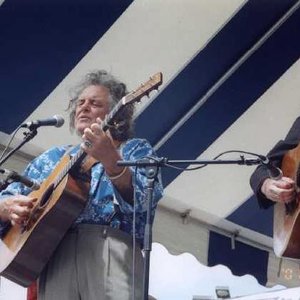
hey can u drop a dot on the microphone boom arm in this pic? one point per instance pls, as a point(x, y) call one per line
point(165, 162)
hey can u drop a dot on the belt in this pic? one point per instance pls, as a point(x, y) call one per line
point(104, 230)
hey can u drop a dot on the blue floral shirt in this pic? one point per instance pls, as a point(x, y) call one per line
point(105, 205)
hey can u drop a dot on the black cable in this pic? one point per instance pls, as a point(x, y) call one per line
point(165, 162)
point(9, 142)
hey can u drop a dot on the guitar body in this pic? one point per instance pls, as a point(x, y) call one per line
point(25, 251)
point(286, 217)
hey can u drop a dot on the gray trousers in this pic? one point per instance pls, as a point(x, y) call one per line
point(93, 262)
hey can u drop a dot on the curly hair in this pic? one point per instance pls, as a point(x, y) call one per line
point(117, 90)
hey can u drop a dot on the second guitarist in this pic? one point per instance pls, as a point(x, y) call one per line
point(282, 192)
point(269, 191)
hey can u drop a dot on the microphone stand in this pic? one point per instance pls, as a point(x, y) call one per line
point(152, 166)
point(27, 137)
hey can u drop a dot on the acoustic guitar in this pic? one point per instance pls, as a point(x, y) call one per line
point(24, 251)
point(286, 226)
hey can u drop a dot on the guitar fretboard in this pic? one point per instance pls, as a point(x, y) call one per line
point(75, 160)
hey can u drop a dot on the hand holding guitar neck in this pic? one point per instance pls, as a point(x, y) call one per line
point(279, 190)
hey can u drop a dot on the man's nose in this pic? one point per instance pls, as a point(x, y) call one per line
point(85, 105)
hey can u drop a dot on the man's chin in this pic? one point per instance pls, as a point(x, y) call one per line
point(81, 125)
point(79, 134)
point(80, 129)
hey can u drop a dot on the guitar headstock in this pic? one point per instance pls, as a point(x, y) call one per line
point(152, 84)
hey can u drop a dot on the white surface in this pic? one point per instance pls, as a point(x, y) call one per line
point(180, 277)
point(6, 256)
point(11, 291)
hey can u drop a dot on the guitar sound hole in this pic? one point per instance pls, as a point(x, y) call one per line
point(46, 196)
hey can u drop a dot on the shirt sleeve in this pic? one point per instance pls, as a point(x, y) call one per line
point(134, 150)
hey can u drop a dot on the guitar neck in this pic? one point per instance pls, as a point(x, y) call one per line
point(75, 161)
point(108, 121)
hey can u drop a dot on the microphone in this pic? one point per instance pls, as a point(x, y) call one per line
point(274, 172)
point(14, 176)
point(56, 121)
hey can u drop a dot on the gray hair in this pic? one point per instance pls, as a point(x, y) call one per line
point(117, 90)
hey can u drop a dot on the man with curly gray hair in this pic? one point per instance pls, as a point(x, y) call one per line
point(117, 91)
point(100, 256)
